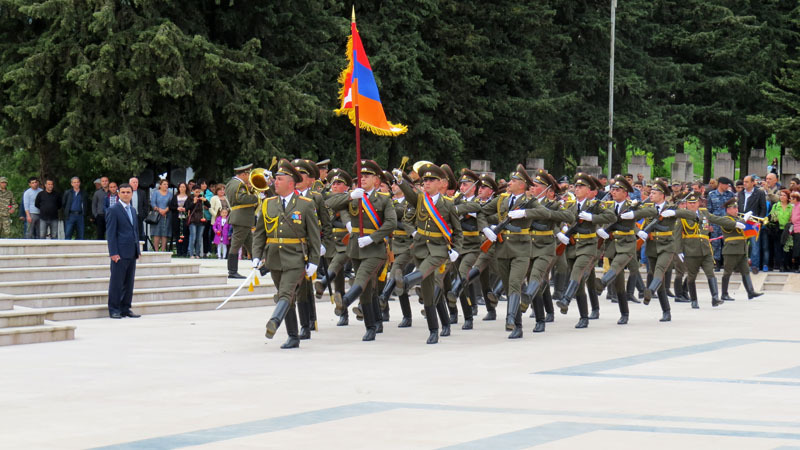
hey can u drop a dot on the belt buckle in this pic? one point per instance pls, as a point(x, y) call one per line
point(280, 240)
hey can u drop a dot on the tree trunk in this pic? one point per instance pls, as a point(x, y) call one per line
point(708, 151)
point(620, 154)
point(732, 149)
point(744, 156)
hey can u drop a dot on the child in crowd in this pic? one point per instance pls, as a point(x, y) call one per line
point(222, 231)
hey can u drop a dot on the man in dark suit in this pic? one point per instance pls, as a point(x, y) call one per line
point(141, 202)
point(753, 200)
point(122, 235)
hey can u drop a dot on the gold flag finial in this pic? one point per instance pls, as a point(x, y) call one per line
point(354, 14)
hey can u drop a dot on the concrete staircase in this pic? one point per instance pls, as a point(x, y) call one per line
point(46, 281)
point(763, 281)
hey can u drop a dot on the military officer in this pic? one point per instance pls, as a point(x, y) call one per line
point(694, 248)
point(367, 247)
point(321, 183)
point(287, 240)
point(243, 202)
point(8, 206)
point(734, 250)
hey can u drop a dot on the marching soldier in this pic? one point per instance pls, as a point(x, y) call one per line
point(339, 182)
point(367, 248)
point(243, 203)
point(437, 238)
point(321, 183)
point(287, 240)
point(734, 250)
point(8, 206)
point(694, 248)
point(587, 215)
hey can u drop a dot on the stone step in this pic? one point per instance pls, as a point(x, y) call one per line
point(21, 318)
point(139, 295)
point(6, 302)
point(773, 286)
point(77, 259)
point(160, 307)
point(50, 246)
point(35, 334)
point(99, 284)
point(92, 271)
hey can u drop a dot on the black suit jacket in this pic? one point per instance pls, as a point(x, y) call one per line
point(121, 234)
point(757, 203)
point(142, 204)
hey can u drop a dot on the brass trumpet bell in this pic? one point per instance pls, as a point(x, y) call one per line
point(419, 164)
point(258, 179)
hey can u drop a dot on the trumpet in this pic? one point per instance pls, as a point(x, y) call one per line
point(259, 179)
point(763, 220)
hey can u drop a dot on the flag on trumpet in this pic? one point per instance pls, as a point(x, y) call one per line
point(358, 74)
point(752, 229)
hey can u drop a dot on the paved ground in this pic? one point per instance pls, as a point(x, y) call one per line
point(726, 377)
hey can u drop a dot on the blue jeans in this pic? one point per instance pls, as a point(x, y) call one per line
point(764, 242)
point(196, 239)
point(74, 221)
point(755, 253)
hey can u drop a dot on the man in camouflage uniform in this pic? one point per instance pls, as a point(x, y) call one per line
point(8, 206)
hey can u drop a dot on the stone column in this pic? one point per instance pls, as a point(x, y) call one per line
point(638, 165)
point(757, 163)
point(682, 168)
point(724, 166)
point(589, 165)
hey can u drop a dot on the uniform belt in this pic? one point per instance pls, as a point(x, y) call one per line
point(249, 205)
point(735, 238)
point(286, 241)
point(471, 233)
point(521, 231)
point(585, 236)
point(541, 233)
point(429, 233)
point(695, 236)
point(661, 233)
point(365, 230)
point(339, 230)
point(399, 233)
point(623, 233)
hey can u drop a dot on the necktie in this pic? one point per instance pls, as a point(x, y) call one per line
point(511, 203)
point(284, 204)
point(616, 209)
point(128, 212)
point(658, 209)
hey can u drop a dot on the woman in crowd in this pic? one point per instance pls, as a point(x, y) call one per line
point(207, 232)
point(161, 231)
point(196, 207)
point(795, 199)
point(180, 227)
point(780, 217)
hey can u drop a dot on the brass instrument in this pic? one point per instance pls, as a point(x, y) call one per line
point(763, 220)
point(259, 179)
point(403, 162)
point(419, 164)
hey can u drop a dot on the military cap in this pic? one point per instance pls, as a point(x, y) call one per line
point(430, 170)
point(724, 180)
point(96, 181)
point(620, 182)
point(554, 184)
point(387, 177)
point(731, 203)
point(306, 166)
point(584, 179)
point(244, 168)
point(368, 167)
point(486, 180)
point(660, 186)
point(692, 198)
point(323, 164)
point(286, 168)
point(502, 186)
point(563, 179)
point(521, 174)
point(5, 180)
point(452, 183)
point(598, 186)
point(339, 175)
point(541, 177)
point(468, 176)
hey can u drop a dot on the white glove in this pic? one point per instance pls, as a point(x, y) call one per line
point(414, 233)
point(398, 175)
point(642, 235)
point(747, 216)
point(453, 255)
point(310, 269)
point(357, 193)
point(564, 229)
point(602, 233)
point(267, 174)
point(587, 216)
point(517, 214)
point(256, 263)
point(364, 241)
point(322, 250)
point(680, 255)
point(626, 215)
point(563, 238)
point(740, 225)
point(262, 195)
point(489, 234)
point(349, 227)
point(668, 213)
point(472, 215)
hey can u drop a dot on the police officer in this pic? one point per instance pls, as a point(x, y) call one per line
point(243, 202)
point(287, 240)
point(8, 206)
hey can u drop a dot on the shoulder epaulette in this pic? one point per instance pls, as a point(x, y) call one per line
point(448, 198)
point(304, 198)
point(649, 204)
point(609, 202)
point(383, 193)
point(270, 198)
point(504, 194)
point(703, 209)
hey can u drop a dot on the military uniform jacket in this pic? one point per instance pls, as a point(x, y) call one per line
point(735, 242)
point(324, 218)
point(8, 204)
point(543, 231)
point(287, 239)
point(623, 232)
point(428, 238)
point(585, 234)
point(516, 236)
point(401, 237)
point(242, 202)
point(662, 233)
point(338, 228)
point(467, 210)
point(690, 233)
point(382, 203)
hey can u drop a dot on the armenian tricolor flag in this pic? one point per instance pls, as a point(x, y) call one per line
point(752, 229)
point(371, 115)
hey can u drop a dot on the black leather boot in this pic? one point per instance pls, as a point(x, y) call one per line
point(386, 294)
point(693, 295)
point(342, 302)
point(496, 292)
point(281, 309)
point(623, 319)
point(666, 316)
point(748, 286)
point(539, 327)
point(569, 293)
point(680, 294)
point(369, 321)
point(490, 315)
point(320, 284)
point(583, 322)
point(344, 320)
point(412, 279)
point(725, 283)
point(513, 309)
point(712, 286)
point(405, 307)
point(291, 330)
point(305, 326)
point(531, 290)
point(444, 317)
point(595, 314)
point(608, 277)
point(430, 316)
point(667, 282)
point(455, 291)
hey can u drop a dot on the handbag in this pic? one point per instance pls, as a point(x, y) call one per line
point(152, 217)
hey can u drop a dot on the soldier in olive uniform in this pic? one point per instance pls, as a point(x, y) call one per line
point(287, 240)
point(621, 250)
point(339, 182)
point(437, 238)
point(243, 202)
point(321, 184)
point(306, 307)
point(367, 248)
point(694, 248)
point(8, 206)
point(587, 215)
point(734, 250)
point(514, 242)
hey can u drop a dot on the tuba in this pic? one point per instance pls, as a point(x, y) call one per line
point(258, 179)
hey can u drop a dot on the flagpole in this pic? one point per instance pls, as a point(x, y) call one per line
point(354, 90)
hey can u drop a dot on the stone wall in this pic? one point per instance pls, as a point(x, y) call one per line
point(724, 166)
point(757, 163)
point(638, 165)
point(682, 168)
